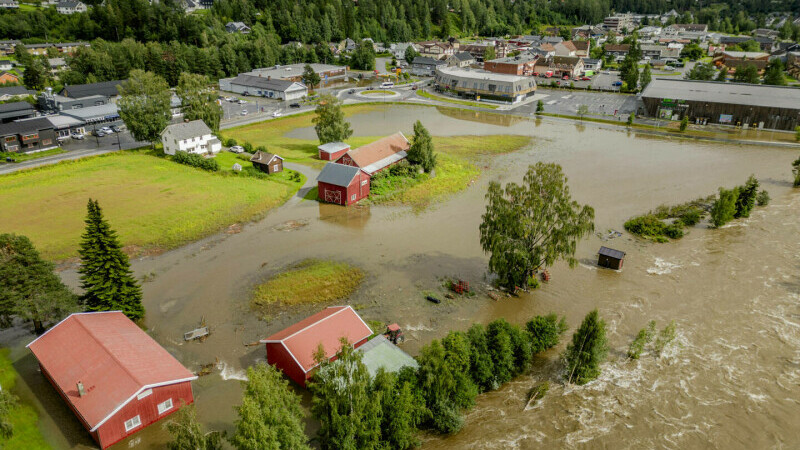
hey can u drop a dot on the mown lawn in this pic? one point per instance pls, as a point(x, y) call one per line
point(24, 419)
point(271, 135)
point(311, 281)
point(152, 202)
point(19, 157)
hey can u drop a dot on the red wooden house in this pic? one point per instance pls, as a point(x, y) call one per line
point(115, 378)
point(332, 150)
point(341, 184)
point(378, 155)
point(292, 349)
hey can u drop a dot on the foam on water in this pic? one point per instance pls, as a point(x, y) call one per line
point(229, 373)
point(662, 267)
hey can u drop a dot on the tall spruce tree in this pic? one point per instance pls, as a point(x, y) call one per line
point(587, 350)
point(421, 151)
point(106, 278)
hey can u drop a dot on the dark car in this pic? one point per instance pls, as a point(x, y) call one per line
point(351, 91)
point(294, 105)
point(116, 128)
point(617, 83)
point(414, 87)
point(99, 133)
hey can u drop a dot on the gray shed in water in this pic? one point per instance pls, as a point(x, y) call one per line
point(610, 258)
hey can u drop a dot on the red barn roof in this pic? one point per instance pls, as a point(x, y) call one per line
point(325, 327)
point(112, 357)
point(379, 154)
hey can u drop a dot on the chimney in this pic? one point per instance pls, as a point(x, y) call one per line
point(81, 390)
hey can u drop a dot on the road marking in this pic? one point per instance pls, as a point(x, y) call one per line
point(551, 102)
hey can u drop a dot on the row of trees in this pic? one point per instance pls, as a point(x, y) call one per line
point(31, 291)
point(738, 202)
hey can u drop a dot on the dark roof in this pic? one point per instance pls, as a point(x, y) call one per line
point(272, 84)
point(16, 90)
point(428, 61)
point(15, 107)
point(24, 126)
point(263, 157)
point(337, 174)
point(463, 56)
point(730, 93)
point(106, 88)
point(611, 253)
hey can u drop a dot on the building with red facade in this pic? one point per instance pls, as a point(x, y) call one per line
point(113, 376)
point(292, 349)
point(378, 155)
point(342, 184)
point(332, 150)
point(522, 64)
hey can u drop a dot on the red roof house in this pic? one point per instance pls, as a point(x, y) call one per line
point(115, 378)
point(342, 184)
point(292, 349)
point(374, 157)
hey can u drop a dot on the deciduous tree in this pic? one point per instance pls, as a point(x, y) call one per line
point(747, 73)
point(106, 278)
point(724, 208)
point(329, 122)
point(310, 77)
point(270, 416)
point(774, 73)
point(188, 434)
point(645, 77)
point(532, 225)
point(144, 105)
point(545, 332)
point(399, 418)
point(421, 151)
point(587, 350)
point(29, 287)
point(199, 99)
point(410, 54)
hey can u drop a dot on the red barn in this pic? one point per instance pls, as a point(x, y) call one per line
point(374, 157)
point(115, 378)
point(292, 349)
point(332, 150)
point(341, 184)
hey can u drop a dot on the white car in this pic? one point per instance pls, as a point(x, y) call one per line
point(229, 99)
point(387, 84)
point(107, 130)
point(77, 136)
point(669, 68)
point(244, 112)
point(237, 149)
point(277, 114)
point(242, 101)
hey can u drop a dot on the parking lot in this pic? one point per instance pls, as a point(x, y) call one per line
point(601, 104)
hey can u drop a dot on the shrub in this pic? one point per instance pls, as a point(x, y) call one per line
point(248, 147)
point(195, 160)
point(747, 197)
point(647, 225)
point(643, 338)
point(690, 217)
point(763, 198)
point(230, 142)
point(684, 123)
point(674, 231)
point(666, 336)
point(538, 392)
point(725, 207)
point(545, 331)
point(260, 148)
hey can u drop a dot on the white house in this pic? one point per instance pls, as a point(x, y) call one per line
point(9, 4)
point(70, 7)
point(190, 137)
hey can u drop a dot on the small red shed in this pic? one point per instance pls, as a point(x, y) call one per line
point(341, 184)
point(332, 150)
point(115, 378)
point(292, 349)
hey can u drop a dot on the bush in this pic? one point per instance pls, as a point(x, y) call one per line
point(260, 148)
point(248, 147)
point(690, 217)
point(763, 198)
point(725, 207)
point(230, 142)
point(538, 392)
point(642, 339)
point(666, 336)
point(195, 160)
point(545, 332)
point(674, 231)
point(684, 123)
point(647, 225)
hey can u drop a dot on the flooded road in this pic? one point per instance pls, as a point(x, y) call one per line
point(732, 382)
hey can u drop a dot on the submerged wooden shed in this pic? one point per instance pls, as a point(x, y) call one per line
point(610, 258)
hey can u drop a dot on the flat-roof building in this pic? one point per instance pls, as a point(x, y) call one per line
point(487, 85)
point(762, 106)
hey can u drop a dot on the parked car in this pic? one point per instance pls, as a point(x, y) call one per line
point(229, 99)
point(116, 128)
point(242, 101)
point(351, 91)
point(277, 114)
point(586, 79)
point(107, 130)
point(294, 105)
point(669, 68)
point(99, 133)
point(617, 83)
point(565, 77)
point(77, 136)
point(244, 112)
point(536, 74)
point(414, 87)
point(237, 149)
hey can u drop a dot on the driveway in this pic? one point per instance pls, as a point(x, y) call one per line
point(311, 181)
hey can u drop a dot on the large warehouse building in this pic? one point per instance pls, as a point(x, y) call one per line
point(753, 105)
point(485, 85)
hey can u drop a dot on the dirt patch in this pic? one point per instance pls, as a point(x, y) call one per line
point(291, 225)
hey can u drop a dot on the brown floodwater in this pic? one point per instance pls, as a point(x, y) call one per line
point(732, 380)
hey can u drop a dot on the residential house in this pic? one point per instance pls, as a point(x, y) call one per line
point(766, 33)
point(478, 49)
point(264, 87)
point(112, 375)
point(38, 49)
point(766, 44)
point(6, 64)
point(566, 48)
point(522, 64)
point(461, 59)
point(190, 137)
point(14, 92)
point(733, 60)
point(348, 45)
point(581, 48)
point(586, 32)
point(592, 65)
point(107, 89)
point(561, 66)
point(618, 51)
point(8, 77)
point(695, 27)
point(544, 50)
point(71, 7)
point(7, 47)
point(57, 65)
point(27, 135)
point(9, 4)
point(292, 349)
point(268, 163)
point(237, 27)
point(659, 51)
point(70, 47)
point(650, 32)
point(425, 66)
point(434, 49)
point(12, 111)
point(399, 50)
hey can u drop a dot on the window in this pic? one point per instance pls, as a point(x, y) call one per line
point(132, 423)
point(11, 138)
point(30, 136)
point(275, 167)
point(353, 198)
point(165, 406)
point(47, 141)
point(364, 182)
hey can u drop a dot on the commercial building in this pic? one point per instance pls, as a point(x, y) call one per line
point(294, 72)
point(619, 22)
point(112, 375)
point(107, 89)
point(486, 85)
point(522, 64)
point(561, 66)
point(12, 111)
point(423, 66)
point(95, 115)
point(27, 135)
point(264, 86)
point(751, 105)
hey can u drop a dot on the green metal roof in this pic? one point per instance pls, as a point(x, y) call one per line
point(379, 352)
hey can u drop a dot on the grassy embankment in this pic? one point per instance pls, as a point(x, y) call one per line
point(310, 281)
point(669, 222)
point(24, 418)
point(378, 93)
point(20, 157)
point(152, 202)
point(442, 98)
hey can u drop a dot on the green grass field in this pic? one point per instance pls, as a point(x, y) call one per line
point(24, 419)
point(311, 281)
point(152, 202)
point(20, 157)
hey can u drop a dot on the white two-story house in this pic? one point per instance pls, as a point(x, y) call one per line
point(190, 137)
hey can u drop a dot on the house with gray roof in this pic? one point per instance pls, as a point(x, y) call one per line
point(191, 137)
point(425, 66)
point(264, 86)
point(237, 27)
point(71, 7)
point(12, 111)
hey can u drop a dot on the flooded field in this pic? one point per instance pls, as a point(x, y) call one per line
point(732, 382)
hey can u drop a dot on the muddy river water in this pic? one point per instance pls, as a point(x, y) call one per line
point(732, 380)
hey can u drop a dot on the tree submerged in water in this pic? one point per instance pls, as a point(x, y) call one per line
point(588, 349)
point(530, 226)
